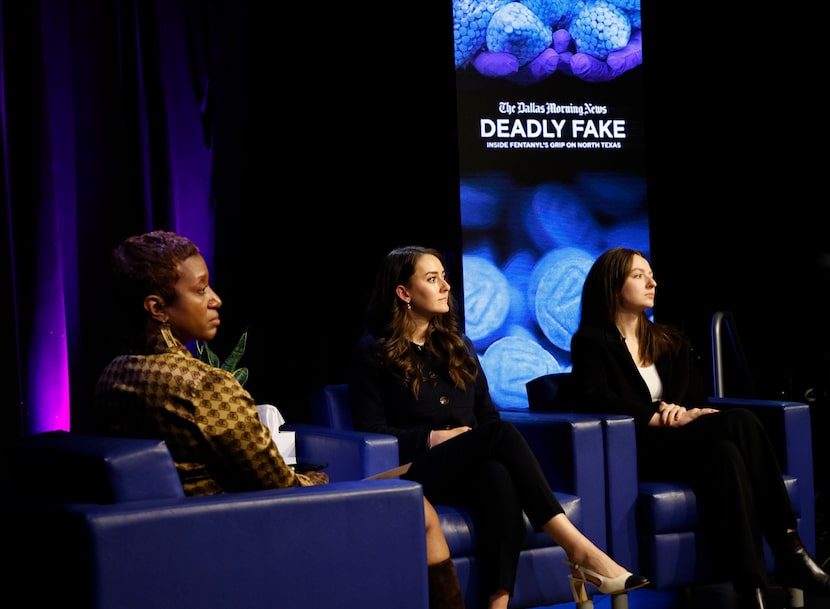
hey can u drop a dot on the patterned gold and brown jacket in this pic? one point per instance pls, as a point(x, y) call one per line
point(208, 420)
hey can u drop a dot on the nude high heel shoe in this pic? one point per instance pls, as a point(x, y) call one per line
point(606, 585)
point(581, 598)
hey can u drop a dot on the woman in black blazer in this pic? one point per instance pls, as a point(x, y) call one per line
point(624, 363)
point(416, 376)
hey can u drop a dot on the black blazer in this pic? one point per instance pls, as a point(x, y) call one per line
point(381, 403)
point(606, 379)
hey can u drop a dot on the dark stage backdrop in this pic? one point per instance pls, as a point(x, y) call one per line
point(295, 167)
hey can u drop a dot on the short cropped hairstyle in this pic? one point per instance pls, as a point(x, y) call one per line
point(147, 264)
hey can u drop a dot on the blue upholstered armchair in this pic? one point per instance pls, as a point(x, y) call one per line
point(103, 523)
point(568, 447)
point(654, 526)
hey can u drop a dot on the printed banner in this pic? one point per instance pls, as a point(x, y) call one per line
point(552, 170)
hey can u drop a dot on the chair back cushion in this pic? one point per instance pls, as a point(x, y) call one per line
point(330, 406)
point(66, 467)
point(550, 393)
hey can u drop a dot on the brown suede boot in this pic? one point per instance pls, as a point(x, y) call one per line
point(444, 589)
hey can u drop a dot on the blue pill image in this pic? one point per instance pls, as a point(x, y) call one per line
point(551, 12)
point(481, 202)
point(516, 29)
point(633, 234)
point(486, 297)
point(480, 245)
point(470, 21)
point(599, 27)
point(555, 290)
point(512, 361)
point(617, 195)
point(557, 217)
point(518, 268)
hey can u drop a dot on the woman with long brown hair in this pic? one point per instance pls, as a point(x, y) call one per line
point(416, 376)
point(623, 363)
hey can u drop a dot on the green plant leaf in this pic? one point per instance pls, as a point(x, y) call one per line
point(204, 353)
point(233, 359)
point(241, 375)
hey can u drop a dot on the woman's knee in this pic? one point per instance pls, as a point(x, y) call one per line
point(721, 461)
point(740, 418)
point(503, 436)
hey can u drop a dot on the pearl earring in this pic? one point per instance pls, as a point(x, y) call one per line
point(409, 305)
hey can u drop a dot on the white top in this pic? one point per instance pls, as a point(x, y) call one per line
point(652, 379)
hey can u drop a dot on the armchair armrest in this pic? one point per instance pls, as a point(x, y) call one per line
point(348, 544)
point(789, 427)
point(619, 444)
point(569, 449)
point(91, 469)
point(348, 454)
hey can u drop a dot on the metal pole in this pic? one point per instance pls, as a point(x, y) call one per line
point(717, 352)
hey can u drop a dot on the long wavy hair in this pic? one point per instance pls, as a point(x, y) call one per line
point(388, 322)
point(601, 299)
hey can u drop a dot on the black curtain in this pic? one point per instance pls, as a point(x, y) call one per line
point(294, 147)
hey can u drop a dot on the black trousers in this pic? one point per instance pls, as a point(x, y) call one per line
point(729, 461)
point(492, 471)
